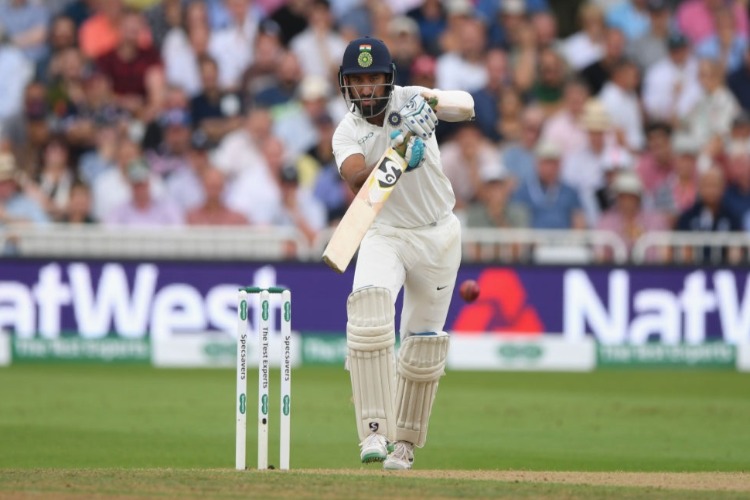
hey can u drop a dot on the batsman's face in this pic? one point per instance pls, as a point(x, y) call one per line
point(367, 88)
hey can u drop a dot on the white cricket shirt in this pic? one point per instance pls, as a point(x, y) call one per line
point(422, 196)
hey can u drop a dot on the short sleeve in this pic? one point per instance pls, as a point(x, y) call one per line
point(344, 143)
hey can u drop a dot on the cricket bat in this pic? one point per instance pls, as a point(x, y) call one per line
point(450, 106)
point(363, 209)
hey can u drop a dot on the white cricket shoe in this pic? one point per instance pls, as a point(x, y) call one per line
point(374, 448)
point(401, 458)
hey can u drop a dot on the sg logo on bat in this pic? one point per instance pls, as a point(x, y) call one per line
point(388, 173)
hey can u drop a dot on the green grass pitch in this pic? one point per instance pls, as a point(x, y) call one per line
point(149, 432)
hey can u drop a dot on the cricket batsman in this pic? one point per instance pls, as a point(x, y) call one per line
point(414, 244)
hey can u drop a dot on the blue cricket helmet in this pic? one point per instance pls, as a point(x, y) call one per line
point(362, 56)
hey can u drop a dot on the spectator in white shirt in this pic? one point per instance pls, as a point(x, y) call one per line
point(710, 120)
point(586, 46)
point(182, 48)
point(464, 69)
point(16, 73)
point(621, 101)
point(232, 47)
point(319, 48)
point(670, 86)
point(240, 150)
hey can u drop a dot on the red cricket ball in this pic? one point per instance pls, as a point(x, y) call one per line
point(469, 290)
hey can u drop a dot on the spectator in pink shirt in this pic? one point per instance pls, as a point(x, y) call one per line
point(627, 218)
point(655, 164)
point(143, 209)
point(695, 18)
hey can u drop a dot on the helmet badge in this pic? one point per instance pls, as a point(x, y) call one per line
point(365, 56)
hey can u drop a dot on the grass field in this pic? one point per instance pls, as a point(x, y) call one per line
point(70, 430)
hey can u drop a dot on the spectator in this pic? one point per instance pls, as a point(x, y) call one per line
point(614, 161)
point(627, 218)
point(737, 195)
point(432, 20)
point(299, 208)
point(405, 46)
point(670, 86)
point(464, 69)
point(678, 191)
point(292, 18)
point(631, 17)
point(329, 187)
point(62, 36)
point(486, 100)
point(544, 25)
point(51, 187)
point(493, 206)
point(511, 109)
point(518, 156)
point(143, 209)
point(232, 46)
point(726, 46)
point(695, 18)
point(586, 46)
point(652, 46)
point(162, 17)
point(78, 210)
point(268, 56)
point(132, 70)
point(239, 151)
point(15, 206)
point(100, 33)
point(620, 99)
point(183, 46)
point(34, 130)
point(213, 211)
point(423, 72)
point(463, 158)
point(563, 128)
point(171, 154)
point(255, 191)
point(112, 188)
point(319, 48)
point(599, 73)
point(739, 82)
point(185, 186)
point(285, 84)
point(17, 72)
point(214, 112)
point(507, 24)
point(79, 11)
point(583, 169)
point(711, 213)
point(100, 159)
point(655, 164)
point(547, 91)
point(711, 118)
point(552, 204)
point(26, 23)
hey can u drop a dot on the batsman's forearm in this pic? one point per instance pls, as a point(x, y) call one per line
point(454, 105)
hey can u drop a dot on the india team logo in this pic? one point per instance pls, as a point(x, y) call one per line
point(394, 119)
point(365, 56)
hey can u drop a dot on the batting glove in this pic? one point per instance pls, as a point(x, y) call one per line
point(418, 117)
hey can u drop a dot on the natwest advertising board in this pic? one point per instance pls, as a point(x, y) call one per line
point(134, 300)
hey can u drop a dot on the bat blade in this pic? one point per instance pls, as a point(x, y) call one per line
point(363, 210)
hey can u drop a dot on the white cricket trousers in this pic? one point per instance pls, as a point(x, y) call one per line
point(423, 261)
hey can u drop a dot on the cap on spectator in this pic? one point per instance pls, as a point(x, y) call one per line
point(138, 171)
point(627, 182)
point(595, 116)
point(677, 40)
point(494, 171)
point(516, 7)
point(313, 87)
point(7, 166)
point(423, 65)
point(403, 25)
point(657, 5)
point(175, 117)
point(269, 27)
point(683, 144)
point(547, 150)
point(289, 174)
point(459, 8)
point(616, 157)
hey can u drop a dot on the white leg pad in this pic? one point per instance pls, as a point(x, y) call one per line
point(370, 338)
point(421, 364)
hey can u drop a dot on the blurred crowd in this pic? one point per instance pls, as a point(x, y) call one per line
point(221, 112)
